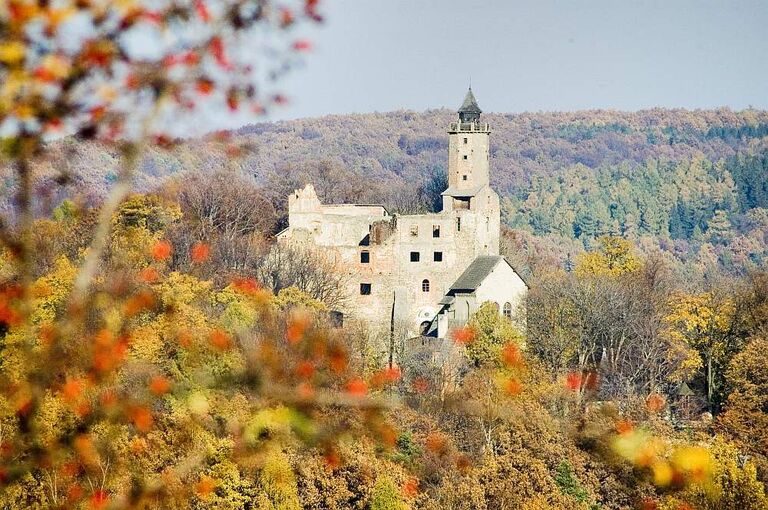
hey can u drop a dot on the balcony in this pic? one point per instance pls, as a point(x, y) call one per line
point(469, 127)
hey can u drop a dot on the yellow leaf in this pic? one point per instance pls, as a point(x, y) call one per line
point(12, 52)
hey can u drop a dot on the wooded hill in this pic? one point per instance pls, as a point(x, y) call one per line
point(692, 183)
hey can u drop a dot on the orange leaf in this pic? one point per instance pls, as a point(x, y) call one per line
point(357, 388)
point(220, 339)
point(219, 54)
point(513, 387)
point(142, 418)
point(332, 459)
point(463, 335)
point(75, 492)
point(200, 252)
point(655, 402)
point(159, 385)
point(205, 486)
point(245, 285)
point(161, 250)
point(420, 385)
point(286, 17)
point(436, 443)
point(393, 373)
point(411, 488)
point(624, 427)
point(72, 390)
point(511, 355)
point(149, 275)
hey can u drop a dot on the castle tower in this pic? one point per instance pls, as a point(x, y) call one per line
point(468, 144)
point(469, 197)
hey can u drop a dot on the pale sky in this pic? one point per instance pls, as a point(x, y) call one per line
point(382, 55)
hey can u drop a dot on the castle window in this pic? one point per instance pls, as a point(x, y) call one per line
point(414, 230)
point(414, 256)
point(508, 310)
point(435, 230)
point(465, 156)
point(438, 256)
point(458, 224)
point(425, 285)
point(465, 140)
point(365, 257)
point(365, 289)
point(463, 177)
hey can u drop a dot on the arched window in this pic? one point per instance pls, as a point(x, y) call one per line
point(425, 285)
point(508, 310)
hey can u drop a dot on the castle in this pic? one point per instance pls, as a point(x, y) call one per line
point(429, 272)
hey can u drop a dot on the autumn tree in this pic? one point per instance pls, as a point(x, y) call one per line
point(614, 257)
point(227, 212)
point(490, 332)
point(745, 415)
point(704, 321)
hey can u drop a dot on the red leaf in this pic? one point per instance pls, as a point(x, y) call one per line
point(202, 11)
point(573, 381)
point(204, 86)
point(98, 499)
point(302, 45)
point(217, 48)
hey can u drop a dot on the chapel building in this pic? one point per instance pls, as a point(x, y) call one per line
point(429, 272)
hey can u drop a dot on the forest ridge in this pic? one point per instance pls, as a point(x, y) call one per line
point(691, 183)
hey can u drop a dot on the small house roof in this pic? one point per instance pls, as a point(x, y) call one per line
point(478, 270)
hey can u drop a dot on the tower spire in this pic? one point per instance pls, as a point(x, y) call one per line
point(469, 111)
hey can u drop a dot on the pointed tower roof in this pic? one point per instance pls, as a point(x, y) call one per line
point(469, 111)
point(470, 103)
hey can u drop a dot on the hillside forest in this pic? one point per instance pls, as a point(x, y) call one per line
point(690, 184)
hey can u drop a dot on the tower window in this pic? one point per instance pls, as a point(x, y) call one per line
point(414, 230)
point(463, 177)
point(458, 224)
point(508, 310)
point(465, 140)
point(365, 289)
point(425, 285)
point(365, 257)
point(465, 156)
point(414, 256)
point(438, 256)
point(435, 230)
